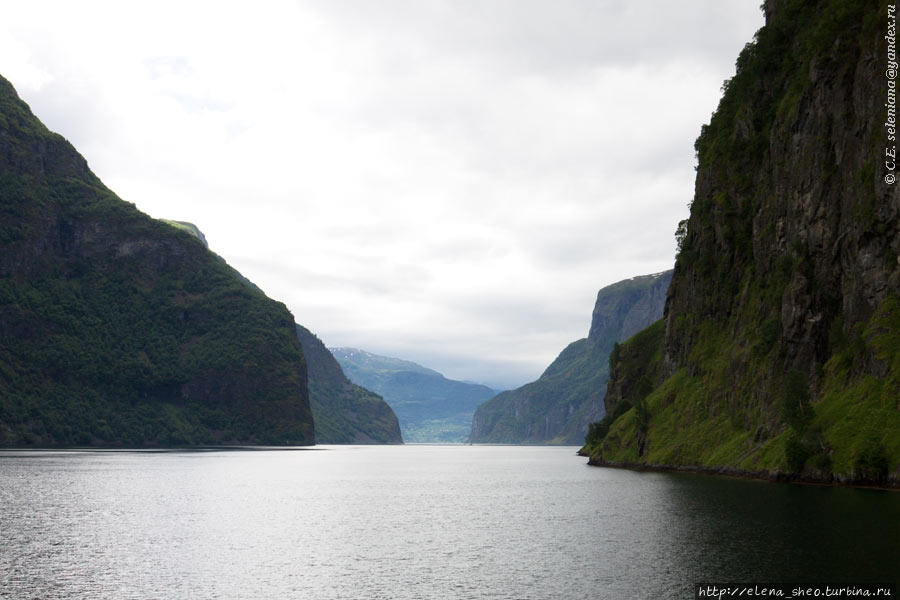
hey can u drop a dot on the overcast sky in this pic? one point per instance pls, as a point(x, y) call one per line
point(445, 181)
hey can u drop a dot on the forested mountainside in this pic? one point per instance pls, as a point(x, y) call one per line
point(780, 350)
point(430, 407)
point(344, 412)
point(118, 329)
point(559, 406)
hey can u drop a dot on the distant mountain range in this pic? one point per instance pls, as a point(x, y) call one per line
point(430, 407)
point(559, 406)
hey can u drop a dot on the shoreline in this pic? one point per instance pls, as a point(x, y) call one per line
point(892, 485)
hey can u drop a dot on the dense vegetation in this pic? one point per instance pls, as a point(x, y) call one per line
point(635, 367)
point(117, 329)
point(344, 412)
point(782, 335)
point(849, 432)
point(430, 407)
point(559, 406)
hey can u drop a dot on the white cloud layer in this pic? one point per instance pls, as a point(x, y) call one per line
point(449, 182)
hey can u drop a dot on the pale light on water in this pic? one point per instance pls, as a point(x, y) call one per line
point(415, 522)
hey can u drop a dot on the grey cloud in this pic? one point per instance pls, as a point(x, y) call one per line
point(603, 237)
point(464, 248)
point(399, 281)
point(360, 235)
point(517, 315)
point(552, 37)
point(66, 104)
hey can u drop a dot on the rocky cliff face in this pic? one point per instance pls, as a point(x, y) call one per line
point(558, 407)
point(625, 308)
point(117, 329)
point(345, 413)
point(780, 346)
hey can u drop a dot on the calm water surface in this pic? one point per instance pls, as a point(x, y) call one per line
point(415, 522)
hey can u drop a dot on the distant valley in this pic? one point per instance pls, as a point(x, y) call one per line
point(430, 407)
point(344, 413)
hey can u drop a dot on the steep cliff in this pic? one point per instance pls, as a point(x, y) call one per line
point(430, 407)
point(117, 329)
point(557, 408)
point(781, 349)
point(345, 413)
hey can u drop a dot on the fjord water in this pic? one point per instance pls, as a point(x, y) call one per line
point(415, 522)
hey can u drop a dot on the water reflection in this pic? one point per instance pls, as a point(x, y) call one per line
point(415, 522)
point(737, 530)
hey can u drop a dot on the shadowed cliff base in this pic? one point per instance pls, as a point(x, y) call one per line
point(805, 479)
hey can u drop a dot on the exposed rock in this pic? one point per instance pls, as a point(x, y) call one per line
point(558, 407)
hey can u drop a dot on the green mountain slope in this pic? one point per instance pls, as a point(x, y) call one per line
point(430, 407)
point(557, 408)
point(344, 412)
point(117, 329)
point(780, 353)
